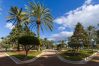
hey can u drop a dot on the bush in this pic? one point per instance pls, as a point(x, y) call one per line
point(76, 56)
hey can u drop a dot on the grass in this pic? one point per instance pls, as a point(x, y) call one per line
point(21, 54)
point(77, 56)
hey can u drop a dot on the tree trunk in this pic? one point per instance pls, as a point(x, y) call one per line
point(6, 49)
point(26, 53)
point(18, 47)
point(26, 50)
point(38, 30)
point(38, 33)
point(39, 48)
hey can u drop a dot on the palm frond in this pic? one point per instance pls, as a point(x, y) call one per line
point(38, 12)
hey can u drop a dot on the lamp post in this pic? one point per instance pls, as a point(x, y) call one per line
point(92, 43)
point(81, 43)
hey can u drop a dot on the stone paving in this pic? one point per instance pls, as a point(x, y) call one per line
point(47, 59)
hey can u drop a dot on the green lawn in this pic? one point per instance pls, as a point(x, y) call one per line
point(78, 56)
point(21, 55)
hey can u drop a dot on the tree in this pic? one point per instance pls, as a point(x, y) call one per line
point(5, 43)
point(40, 17)
point(6, 46)
point(44, 43)
point(92, 35)
point(28, 42)
point(2, 38)
point(79, 38)
point(61, 45)
point(97, 36)
point(98, 24)
point(14, 35)
point(47, 43)
point(16, 17)
point(91, 32)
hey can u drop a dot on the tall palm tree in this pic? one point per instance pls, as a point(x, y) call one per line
point(40, 17)
point(16, 17)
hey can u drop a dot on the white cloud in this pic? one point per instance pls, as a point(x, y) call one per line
point(61, 28)
point(87, 14)
point(88, 1)
point(60, 36)
point(9, 25)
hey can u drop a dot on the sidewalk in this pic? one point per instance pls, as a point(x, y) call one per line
point(47, 59)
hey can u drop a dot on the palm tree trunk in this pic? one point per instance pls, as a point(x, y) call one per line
point(19, 30)
point(38, 30)
point(38, 33)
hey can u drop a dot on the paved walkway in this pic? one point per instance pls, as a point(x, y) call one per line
point(48, 59)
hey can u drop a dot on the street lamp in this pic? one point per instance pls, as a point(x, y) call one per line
point(92, 43)
point(81, 43)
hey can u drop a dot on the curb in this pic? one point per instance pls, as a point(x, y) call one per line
point(84, 61)
point(17, 61)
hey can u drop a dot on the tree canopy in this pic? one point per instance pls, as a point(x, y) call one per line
point(28, 40)
point(79, 38)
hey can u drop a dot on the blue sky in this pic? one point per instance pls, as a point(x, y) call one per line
point(66, 14)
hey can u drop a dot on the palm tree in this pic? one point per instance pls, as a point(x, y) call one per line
point(40, 17)
point(16, 17)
